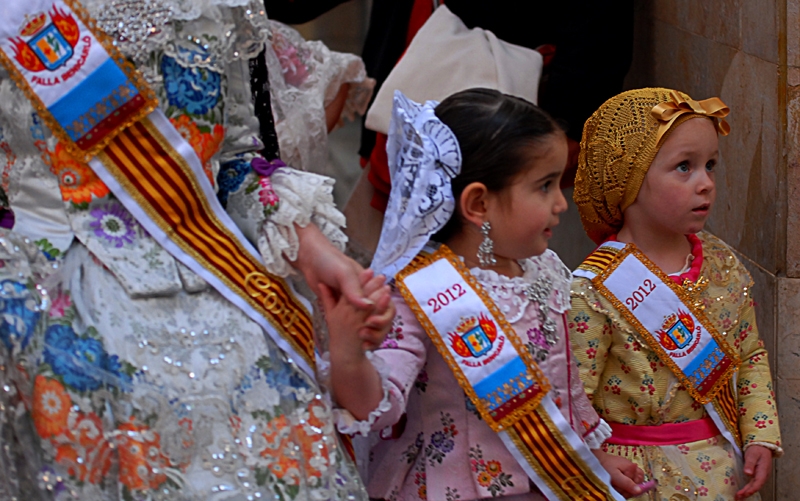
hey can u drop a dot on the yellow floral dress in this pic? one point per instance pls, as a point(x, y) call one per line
point(628, 384)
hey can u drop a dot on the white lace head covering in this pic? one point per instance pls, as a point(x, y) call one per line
point(423, 155)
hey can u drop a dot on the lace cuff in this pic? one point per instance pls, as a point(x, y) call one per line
point(349, 425)
point(777, 451)
point(599, 434)
point(305, 198)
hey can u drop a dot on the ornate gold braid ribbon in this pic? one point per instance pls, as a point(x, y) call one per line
point(160, 180)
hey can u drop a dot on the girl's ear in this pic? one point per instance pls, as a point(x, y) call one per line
point(474, 203)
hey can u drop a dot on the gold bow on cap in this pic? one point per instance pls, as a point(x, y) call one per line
point(666, 113)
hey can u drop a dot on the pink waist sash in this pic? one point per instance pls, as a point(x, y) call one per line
point(664, 434)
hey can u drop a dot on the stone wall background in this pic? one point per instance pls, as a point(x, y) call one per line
point(747, 52)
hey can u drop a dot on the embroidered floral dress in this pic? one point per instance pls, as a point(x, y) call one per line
point(628, 383)
point(124, 374)
point(430, 441)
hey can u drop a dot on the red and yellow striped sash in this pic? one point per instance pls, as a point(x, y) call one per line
point(537, 437)
point(162, 183)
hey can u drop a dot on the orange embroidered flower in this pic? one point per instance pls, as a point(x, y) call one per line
point(494, 468)
point(284, 466)
point(50, 407)
point(422, 492)
point(484, 479)
point(139, 453)
point(77, 180)
point(205, 144)
point(86, 464)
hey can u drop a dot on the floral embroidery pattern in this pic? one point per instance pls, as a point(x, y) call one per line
point(268, 197)
point(538, 345)
point(421, 383)
point(77, 181)
point(20, 314)
point(51, 406)
point(230, 178)
point(441, 442)
point(113, 223)
point(410, 454)
point(49, 251)
point(395, 334)
point(141, 462)
point(195, 90)
point(490, 474)
point(451, 494)
point(82, 362)
point(420, 479)
point(205, 141)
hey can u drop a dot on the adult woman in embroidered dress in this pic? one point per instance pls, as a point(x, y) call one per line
point(503, 157)
point(126, 375)
point(646, 177)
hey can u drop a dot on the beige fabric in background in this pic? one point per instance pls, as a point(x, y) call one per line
point(446, 57)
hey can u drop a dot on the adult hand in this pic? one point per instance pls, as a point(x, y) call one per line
point(320, 262)
point(757, 465)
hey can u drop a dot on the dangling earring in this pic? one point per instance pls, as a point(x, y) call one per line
point(486, 248)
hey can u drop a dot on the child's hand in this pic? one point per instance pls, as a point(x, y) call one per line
point(349, 364)
point(625, 475)
point(757, 465)
point(380, 318)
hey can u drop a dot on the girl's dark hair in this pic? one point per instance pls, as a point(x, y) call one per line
point(494, 131)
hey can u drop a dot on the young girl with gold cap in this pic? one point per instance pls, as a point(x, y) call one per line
point(662, 319)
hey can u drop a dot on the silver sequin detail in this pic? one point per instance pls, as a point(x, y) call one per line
point(539, 292)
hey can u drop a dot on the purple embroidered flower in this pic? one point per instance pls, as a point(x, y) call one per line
point(447, 445)
point(537, 337)
point(437, 439)
point(113, 223)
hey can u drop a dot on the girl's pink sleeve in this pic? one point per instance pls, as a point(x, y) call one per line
point(401, 358)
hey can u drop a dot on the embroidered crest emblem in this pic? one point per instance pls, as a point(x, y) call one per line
point(676, 331)
point(44, 45)
point(474, 337)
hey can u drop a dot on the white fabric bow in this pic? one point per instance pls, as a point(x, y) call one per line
point(423, 155)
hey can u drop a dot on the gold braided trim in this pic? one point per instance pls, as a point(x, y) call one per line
point(224, 255)
point(726, 407)
point(512, 417)
point(687, 301)
point(599, 260)
point(136, 78)
point(554, 460)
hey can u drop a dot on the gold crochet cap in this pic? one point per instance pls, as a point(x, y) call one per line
point(620, 141)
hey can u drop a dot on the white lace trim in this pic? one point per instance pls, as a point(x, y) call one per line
point(304, 77)
point(776, 450)
point(547, 265)
point(600, 434)
point(349, 425)
point(305, 198)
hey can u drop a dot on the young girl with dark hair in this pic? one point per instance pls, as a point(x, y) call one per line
point(474, 394)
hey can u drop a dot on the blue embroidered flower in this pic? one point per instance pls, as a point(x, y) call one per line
point(19, 314)
point(230, 177)
point(114, 223)
point(195, 90)
point(81, 362)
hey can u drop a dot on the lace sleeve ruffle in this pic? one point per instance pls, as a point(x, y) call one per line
point(595, 437)
point(304, 198)
point(349, 425)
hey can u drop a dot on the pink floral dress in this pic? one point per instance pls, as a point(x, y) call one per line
point(430, 442)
